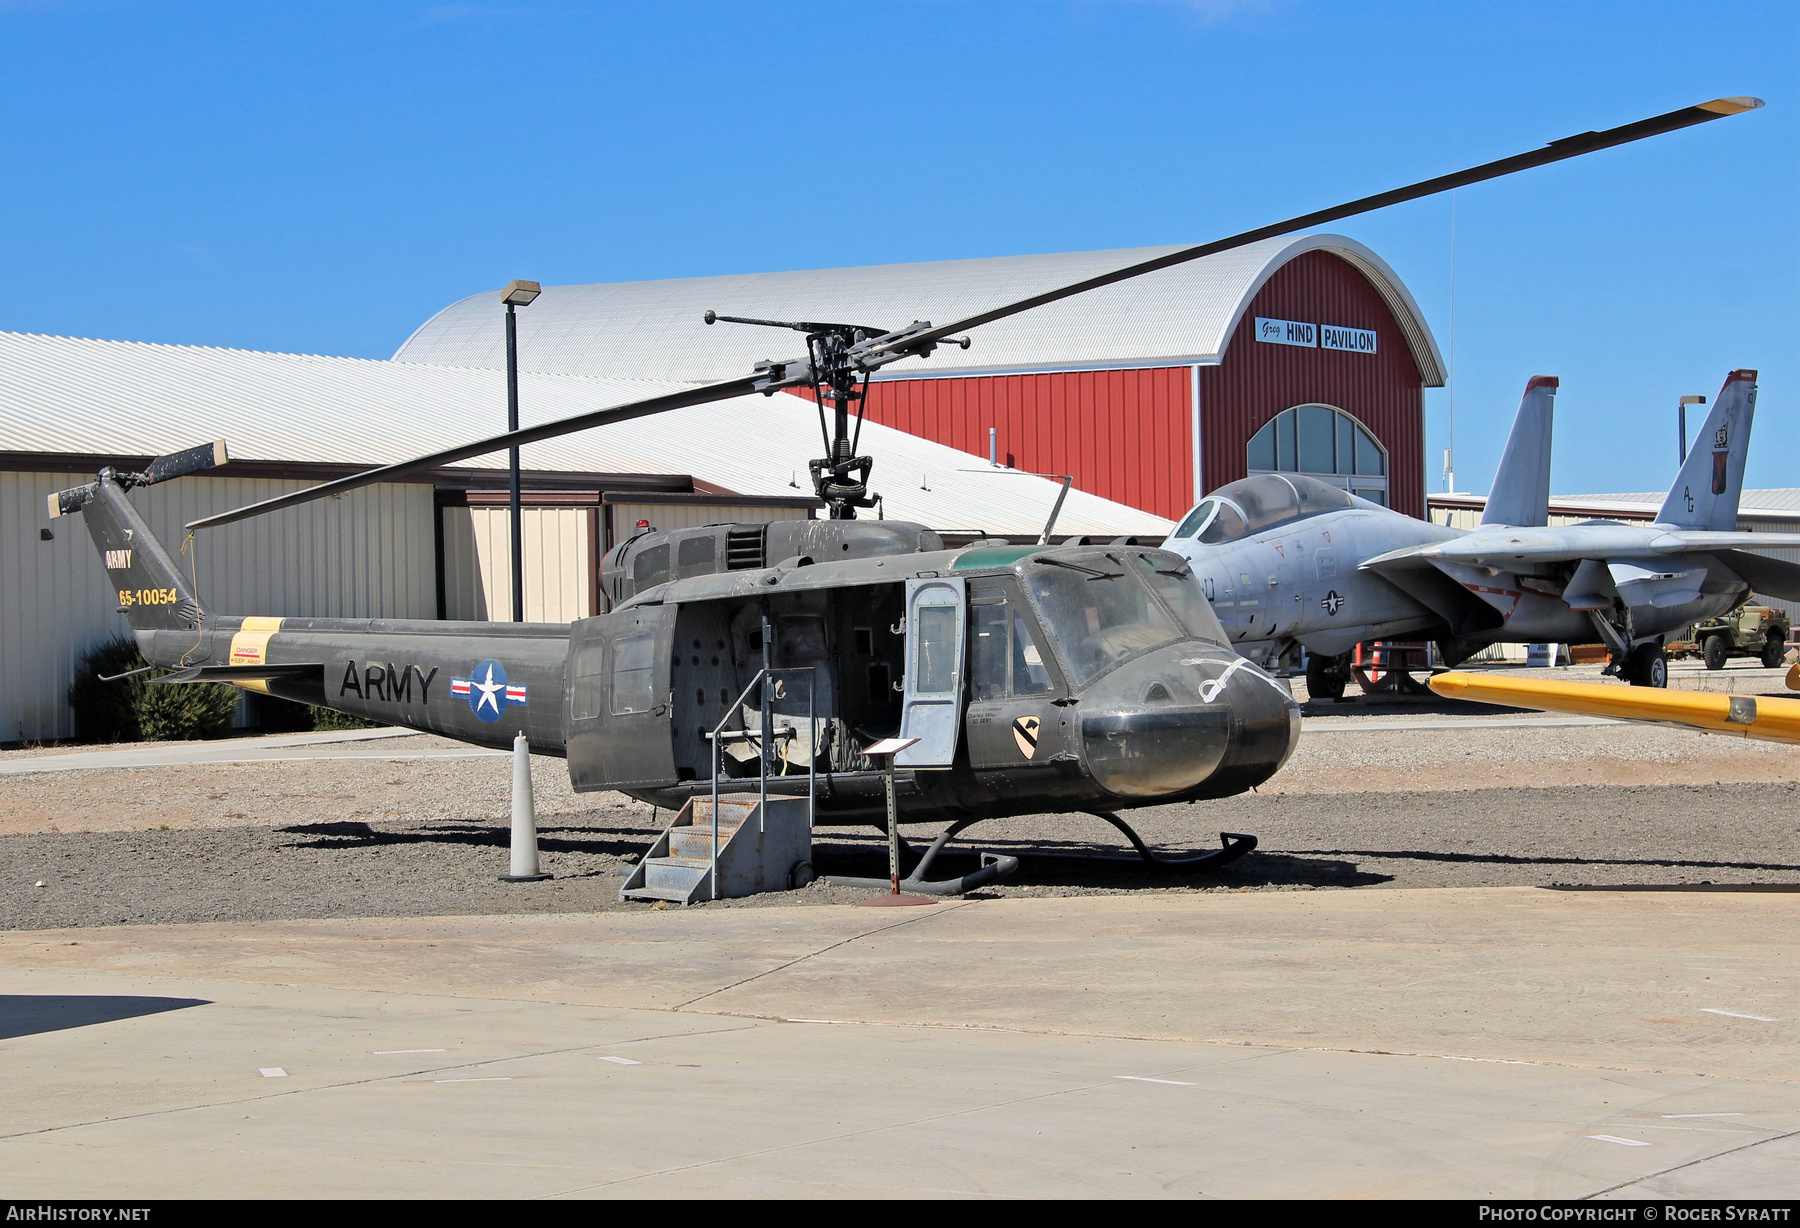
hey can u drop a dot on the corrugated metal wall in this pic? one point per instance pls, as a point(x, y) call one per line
point(364, 554)
point(1257, 380)
point(560, 556)
point(691, 516)
point(1125, 435)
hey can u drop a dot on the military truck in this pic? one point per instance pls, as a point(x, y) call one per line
point(1748, 631)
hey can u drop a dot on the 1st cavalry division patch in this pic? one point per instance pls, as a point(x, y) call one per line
point(1025, 733)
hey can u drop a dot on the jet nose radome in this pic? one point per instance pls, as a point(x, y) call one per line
point(1171, 724)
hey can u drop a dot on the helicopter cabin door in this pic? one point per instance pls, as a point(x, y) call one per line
point(931, 711)
point(618, 697)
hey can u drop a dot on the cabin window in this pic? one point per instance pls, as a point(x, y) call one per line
point(934, 669)
point(634, 673)
point(1323, 442)
point(590, 673)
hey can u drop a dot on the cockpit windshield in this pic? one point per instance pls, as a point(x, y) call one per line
point(1097, 611)
point(1250, 505)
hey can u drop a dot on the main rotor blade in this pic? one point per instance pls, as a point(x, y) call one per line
point(701, 395)
point(1555, 151)
point(911, 342)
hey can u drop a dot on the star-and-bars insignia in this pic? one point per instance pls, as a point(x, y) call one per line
point(1332, 602)
point(487, 690)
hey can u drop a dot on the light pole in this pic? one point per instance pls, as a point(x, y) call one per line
point(1685, 402)
point(517, 294)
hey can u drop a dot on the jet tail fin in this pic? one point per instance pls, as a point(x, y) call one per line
point(1521, 491)
point(1706, 491)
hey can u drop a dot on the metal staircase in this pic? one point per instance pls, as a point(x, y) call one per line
point(762, 846)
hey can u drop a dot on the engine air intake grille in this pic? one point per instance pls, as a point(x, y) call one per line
point(744, 548)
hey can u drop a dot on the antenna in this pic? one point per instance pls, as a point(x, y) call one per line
point(1450, 452)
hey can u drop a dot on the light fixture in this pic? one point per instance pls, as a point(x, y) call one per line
point(520, 293)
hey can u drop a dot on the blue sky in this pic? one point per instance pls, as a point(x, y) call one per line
point(322, 177)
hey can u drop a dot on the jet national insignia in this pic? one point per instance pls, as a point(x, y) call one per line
point(1331, 602)
point(487, 691)
point(1025, 733)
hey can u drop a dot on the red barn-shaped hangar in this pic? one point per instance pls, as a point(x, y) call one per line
point(1302, 354)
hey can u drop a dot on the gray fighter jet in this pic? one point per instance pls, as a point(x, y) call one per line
point(1291, 562)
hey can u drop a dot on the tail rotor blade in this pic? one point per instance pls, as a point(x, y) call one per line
point(180, 464)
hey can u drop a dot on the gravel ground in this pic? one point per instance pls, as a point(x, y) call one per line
point(1596, 835)
point(1453, 804)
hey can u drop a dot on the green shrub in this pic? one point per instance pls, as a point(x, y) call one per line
point(108, 711)
point(185, 711)
point(276, 715)
point(331, 718)
point(133, 710)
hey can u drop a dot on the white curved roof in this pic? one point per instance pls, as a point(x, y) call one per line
point(653, 329)
point(66, 394)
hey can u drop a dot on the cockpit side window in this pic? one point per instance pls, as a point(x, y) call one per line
point(1005, 655)
point(1227, 525)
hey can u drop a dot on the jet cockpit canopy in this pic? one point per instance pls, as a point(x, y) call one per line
point(1261, 501)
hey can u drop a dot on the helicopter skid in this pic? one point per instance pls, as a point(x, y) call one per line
point(994, 867)
point(1233, 845)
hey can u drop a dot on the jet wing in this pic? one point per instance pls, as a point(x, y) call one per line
point(1775, 578)
point(1746, 716)
point(1572, 543)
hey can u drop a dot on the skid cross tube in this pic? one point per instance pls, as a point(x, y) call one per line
point(762, 755)
point(994, 866)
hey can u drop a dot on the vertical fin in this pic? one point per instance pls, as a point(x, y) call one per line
point(151, 591)
point(1521, 492)
point(1706, 491)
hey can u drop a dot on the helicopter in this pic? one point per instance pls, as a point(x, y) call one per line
point(1080, 678)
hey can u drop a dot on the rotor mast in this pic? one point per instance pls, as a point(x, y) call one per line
point(840, 477)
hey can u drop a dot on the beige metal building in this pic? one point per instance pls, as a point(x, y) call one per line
point(436, 546)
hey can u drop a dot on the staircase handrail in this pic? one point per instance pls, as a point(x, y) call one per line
point(762, 755)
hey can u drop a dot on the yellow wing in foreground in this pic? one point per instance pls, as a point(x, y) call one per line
point(1746, 716)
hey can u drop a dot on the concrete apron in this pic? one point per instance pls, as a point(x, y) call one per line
point(1507, 1041)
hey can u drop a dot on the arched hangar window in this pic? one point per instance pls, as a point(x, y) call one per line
point(1325, 443)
